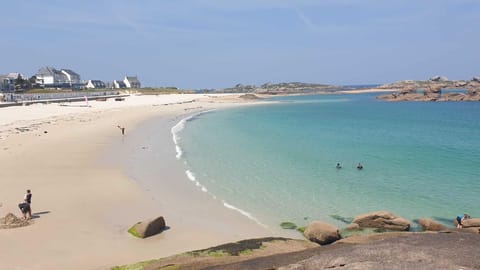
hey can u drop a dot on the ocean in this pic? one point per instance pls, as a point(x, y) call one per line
point(277, 162)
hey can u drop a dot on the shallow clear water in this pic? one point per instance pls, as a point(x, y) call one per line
point(277, 162)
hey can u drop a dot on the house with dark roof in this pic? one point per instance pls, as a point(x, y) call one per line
point(71, 76)
point(118, 84)
point(132, 82)
point(65, 78)
point(95, 84)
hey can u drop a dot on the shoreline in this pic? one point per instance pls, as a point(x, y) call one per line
point(83, 205)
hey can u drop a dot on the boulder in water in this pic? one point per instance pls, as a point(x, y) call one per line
point(322, 233)
point(382, 220)
point(429, 224)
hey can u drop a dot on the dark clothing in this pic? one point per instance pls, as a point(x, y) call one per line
point(29, 198)
point(24, 207)
point(459, 220)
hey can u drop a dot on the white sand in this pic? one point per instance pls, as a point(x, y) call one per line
point(83, 207)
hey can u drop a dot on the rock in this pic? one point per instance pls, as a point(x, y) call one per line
point(249, 96)
point(382, 220)
point(429, 224)
point(476, 79)
point(439, 79)
point(471, 222)
point(434, 89)
point(353, 227)
point(322, 233)
point(461, 84)
point(471, 230)
point(410, 251)
point(148, 228)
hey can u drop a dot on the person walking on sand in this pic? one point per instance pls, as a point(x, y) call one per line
point(122, 129)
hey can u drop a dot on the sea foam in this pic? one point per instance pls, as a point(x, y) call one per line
point(191, 176)
point(243, 212)
point(175, 130)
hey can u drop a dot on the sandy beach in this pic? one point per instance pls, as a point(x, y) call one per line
point(73, 158)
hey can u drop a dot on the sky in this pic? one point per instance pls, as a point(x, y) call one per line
point(196, 44)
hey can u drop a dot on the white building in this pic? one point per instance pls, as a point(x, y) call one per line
point(132, 82)
point(71, 76)
point(64, 78)
point(91, 84)
point(119, 84)
point(7, 84)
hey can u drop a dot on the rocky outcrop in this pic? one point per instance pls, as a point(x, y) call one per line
point(382, 220)
point(148, 228)
point(322, 233)
point(283, 88)
point(249, 96)
point(432, 90)
point(413, 251)
point(439, 79)
point(429, 224)
point(471, 222)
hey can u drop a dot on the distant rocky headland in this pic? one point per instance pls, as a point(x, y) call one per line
point(283, 88)
point(436, 89)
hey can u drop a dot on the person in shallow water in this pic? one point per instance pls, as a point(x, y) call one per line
point(359, 166)
point(338, 166)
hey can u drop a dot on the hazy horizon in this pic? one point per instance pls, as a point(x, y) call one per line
point(216, 44)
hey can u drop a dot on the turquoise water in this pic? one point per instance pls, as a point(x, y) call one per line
point(276, 162)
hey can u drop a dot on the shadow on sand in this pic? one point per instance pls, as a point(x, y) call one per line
point(38, 214)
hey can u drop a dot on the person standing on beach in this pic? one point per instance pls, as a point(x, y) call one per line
point(28, 196)
point(122, 129)
point(26, 210)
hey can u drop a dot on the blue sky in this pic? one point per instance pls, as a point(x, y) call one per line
point(215, 44)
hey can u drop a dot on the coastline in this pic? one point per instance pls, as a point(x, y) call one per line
point(83, 204)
